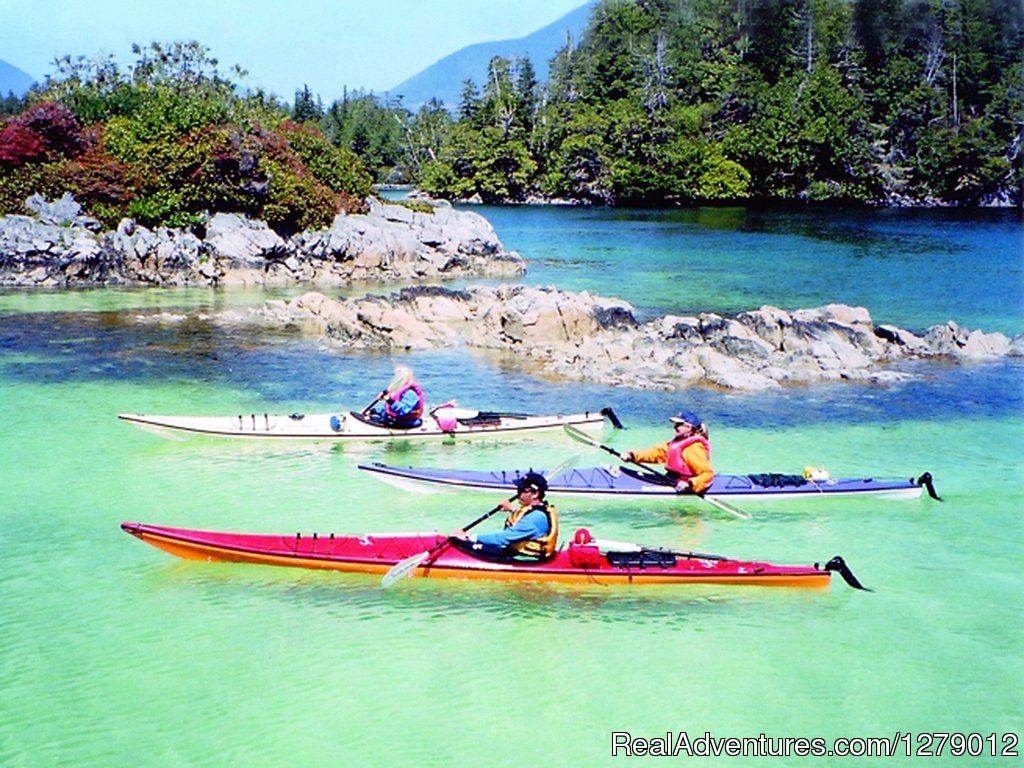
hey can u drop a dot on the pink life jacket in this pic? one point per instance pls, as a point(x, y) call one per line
point(416, 412)
point(674, 462)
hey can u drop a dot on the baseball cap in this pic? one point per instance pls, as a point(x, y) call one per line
point(686, 417)
point(533, 481)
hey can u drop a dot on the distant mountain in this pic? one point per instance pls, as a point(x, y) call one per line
point(14, 80)
point(443, 79)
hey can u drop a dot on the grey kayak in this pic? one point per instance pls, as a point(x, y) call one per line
point(628, 483)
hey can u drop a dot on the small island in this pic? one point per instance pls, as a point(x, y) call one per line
point(172, 175)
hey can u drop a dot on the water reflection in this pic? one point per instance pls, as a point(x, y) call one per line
point(360, 598)
point(271, 371)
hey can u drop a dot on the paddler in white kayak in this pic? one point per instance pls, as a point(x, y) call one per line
point(401, 404)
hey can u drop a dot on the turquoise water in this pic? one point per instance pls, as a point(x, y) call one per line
point(116, 654)
point(909, 268)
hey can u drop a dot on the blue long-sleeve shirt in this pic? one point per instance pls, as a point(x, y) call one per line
point(533, 524)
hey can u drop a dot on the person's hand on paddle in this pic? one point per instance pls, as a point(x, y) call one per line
point(459, 534)
point(684, 486)
point(582, 437)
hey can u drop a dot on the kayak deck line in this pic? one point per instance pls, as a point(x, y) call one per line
point(378, 553)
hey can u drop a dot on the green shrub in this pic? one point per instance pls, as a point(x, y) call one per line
point(336, 167)
point(17, 185)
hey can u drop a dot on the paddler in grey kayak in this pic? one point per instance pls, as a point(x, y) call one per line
point(687, 456)
point(531, 528)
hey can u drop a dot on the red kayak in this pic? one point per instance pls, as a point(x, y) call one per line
point(436, 556)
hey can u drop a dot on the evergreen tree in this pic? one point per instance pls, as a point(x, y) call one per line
point(426, 135)
point(526, 93)
point(469, 103)
point(375, 132)
point(307, 109)
point(608, 65)
point(666, 102)
point(562, 74)
point(12, 104)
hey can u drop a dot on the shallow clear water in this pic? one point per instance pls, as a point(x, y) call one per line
point(115, 654)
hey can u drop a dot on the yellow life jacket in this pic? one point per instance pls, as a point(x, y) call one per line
point(544, 546)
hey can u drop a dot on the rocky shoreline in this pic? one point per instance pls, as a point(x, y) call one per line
point(58, 247)
point(589, 338)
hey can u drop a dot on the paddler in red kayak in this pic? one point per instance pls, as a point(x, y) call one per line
point(531, 528)
point(687, 456)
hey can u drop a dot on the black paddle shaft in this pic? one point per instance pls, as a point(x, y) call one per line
point(475, 523)
point(582, 437)
point(409, 564)
point(484, 516)
point(615, 453)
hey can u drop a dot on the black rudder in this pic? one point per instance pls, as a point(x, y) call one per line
point(926, 481)
point(839, 565)
point(609, 414)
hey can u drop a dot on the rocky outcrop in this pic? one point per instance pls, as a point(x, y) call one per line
point(581, 336)
point(573, 335)
point(58, 247)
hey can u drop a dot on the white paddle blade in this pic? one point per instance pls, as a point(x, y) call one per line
point(455, 412)
point(561, 469)
point(735, 511)
point(580, 436)
point(403, 568)
point(396, 381)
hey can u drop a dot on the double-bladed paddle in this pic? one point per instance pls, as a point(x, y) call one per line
point(405, 567)
point(582, 437)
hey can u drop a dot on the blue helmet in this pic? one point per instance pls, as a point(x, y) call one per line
point(686, 417)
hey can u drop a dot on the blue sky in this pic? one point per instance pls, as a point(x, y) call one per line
point(327, 44)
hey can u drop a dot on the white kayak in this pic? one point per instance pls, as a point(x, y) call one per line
point(445, 421)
